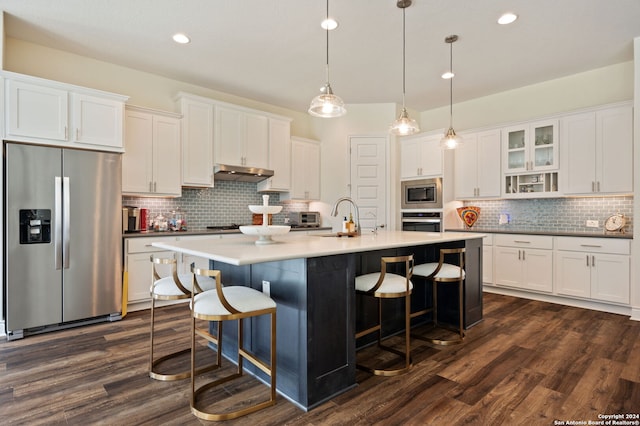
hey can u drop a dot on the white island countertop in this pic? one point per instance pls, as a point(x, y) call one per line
point(244, 251)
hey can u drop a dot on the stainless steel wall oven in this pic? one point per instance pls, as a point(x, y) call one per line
point(423, 221)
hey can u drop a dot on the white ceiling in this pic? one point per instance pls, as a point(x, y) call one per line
point(274, 50)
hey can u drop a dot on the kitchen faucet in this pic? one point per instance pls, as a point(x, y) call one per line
point(334, 211)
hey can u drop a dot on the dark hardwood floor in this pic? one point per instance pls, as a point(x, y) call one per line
point(527, 363)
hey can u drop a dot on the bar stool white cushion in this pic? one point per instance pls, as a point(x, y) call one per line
point(244, 299)
point(392, 283)
point(167, 287)
point(447, 271)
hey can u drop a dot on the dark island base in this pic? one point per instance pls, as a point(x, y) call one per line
point(318, 313)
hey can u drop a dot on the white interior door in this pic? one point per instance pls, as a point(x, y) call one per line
point(369, 179)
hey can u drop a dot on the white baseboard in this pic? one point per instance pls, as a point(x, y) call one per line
point(567, 301)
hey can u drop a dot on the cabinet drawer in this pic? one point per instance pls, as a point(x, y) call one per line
point(143, 245)
point(487, 240)
point(594, 245)
point(524, 241)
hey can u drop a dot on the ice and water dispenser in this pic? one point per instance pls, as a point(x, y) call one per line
point(35, 226)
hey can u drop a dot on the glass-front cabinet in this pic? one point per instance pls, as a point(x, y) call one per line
point(530, 147)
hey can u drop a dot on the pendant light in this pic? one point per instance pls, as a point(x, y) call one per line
point(326, 104)
point(450, 139)
point(404, 125)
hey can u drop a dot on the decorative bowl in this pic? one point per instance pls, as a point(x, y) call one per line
point(469, 215)
point(265, 233)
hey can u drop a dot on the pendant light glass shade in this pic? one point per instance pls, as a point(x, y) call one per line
point(450, 139)
point(326, 104)
point(404, 125)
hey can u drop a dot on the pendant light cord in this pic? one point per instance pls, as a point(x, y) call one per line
point(451, 85)
point(327, 29)
point(403, 56)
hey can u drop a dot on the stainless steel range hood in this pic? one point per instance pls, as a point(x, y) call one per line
point(241, 173)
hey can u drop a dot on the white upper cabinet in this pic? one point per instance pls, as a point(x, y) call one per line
point(197, 142)
point(241, 138)
point(97, 121)
point(530, 147)
point(216, 132)
point(305, 170)
point(597, 151)
point(421, 156)
point(151, 163)
point(279, 156)
point(477, 165)
point(53, 113)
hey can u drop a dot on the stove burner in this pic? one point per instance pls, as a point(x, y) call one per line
point(224, 227)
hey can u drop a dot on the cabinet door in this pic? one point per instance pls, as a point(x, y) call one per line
point(256, 137)
point(466, 168)
point(305, 170)
point(514, 149)
point(36, 111)
point(137, 161)
point(166, 156)
point(197, 143)
point(229, 136)
point(97, 121)
point(543, 145)
point(431, 156)
point(537, 273)
point(487, 264)
point(572, 275)
point(610, 278)
point(488, 164)
point(139, 277)
point(579, 153)
point(410, 156)
point(615, 150)
point(508, 266)
point(279, 157)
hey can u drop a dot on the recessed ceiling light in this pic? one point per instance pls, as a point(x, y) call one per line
point(507, 18)
point(447, 75)
point(329, 24)
point(181, 38)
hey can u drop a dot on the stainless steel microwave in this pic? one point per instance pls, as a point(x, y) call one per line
point(422, 194)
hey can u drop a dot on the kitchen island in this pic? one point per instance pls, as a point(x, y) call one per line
point(311, 278)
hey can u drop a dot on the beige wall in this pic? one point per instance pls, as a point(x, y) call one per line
point(591, 88)
point(144, 89)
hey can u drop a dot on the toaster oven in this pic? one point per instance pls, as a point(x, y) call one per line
point(304, 219)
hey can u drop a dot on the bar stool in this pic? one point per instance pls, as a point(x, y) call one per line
point(384, 285)
point(224, 304)
point(443, 272)
point(171, 287)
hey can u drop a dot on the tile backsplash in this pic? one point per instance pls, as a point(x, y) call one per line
point(553, 214)
point(224, 204)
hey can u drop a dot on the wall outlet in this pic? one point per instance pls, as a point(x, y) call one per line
point(592, 224)
point(266, 288)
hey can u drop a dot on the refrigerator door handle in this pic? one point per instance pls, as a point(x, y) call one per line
point(66, 221)
point(57, 225)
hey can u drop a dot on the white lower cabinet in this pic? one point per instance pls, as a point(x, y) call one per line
point(524, 261)
point(593, 268)
point(137, 264)
point(487, 259)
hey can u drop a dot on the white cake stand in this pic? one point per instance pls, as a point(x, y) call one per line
point(265, 231)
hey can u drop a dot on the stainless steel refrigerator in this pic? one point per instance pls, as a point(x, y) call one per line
point(62, 239)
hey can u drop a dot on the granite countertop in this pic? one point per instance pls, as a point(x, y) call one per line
point(203, 231)
point(596, 234)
